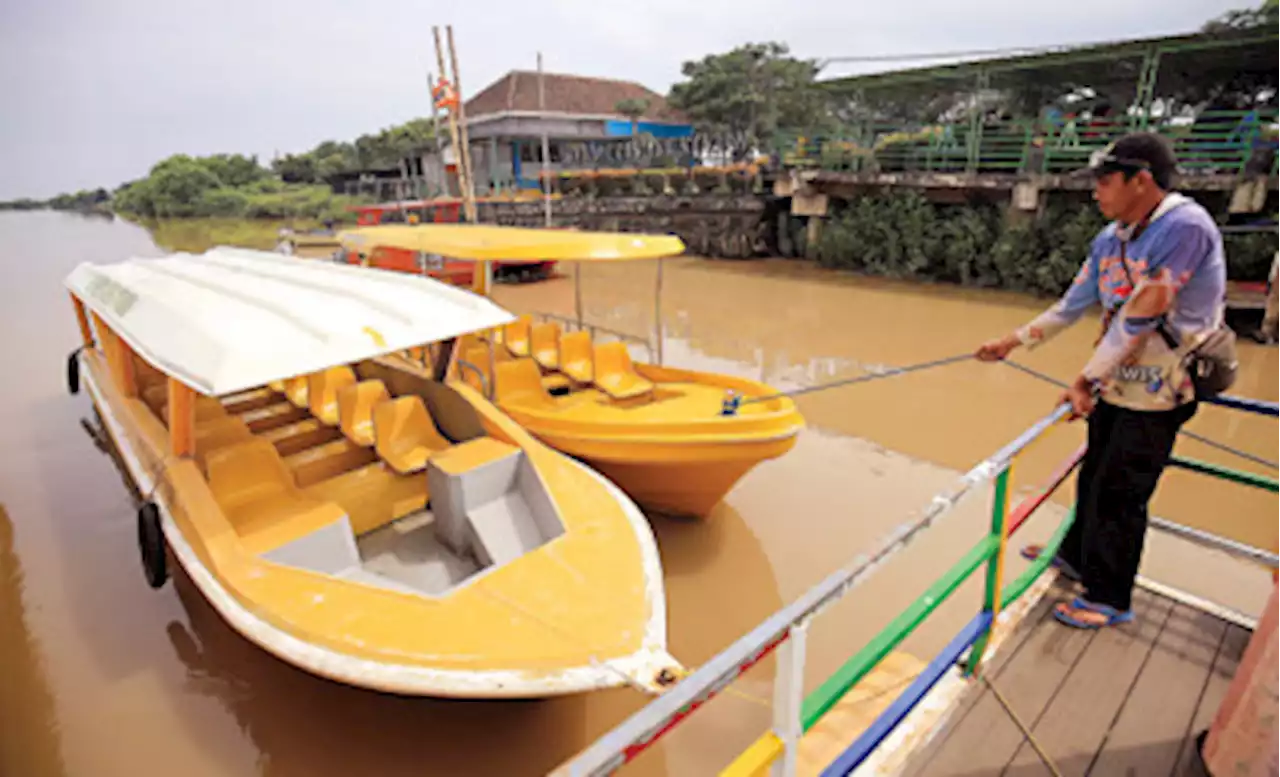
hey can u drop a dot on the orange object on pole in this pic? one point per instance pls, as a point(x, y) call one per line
point(444, 95)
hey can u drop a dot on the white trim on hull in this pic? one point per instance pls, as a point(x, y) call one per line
point(639, 668)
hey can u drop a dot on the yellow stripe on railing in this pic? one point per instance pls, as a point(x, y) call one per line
point(756, 759)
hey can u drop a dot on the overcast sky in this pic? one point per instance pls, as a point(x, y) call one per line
point(94, 93)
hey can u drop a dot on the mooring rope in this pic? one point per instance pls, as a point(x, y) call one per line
point(1185, 432)
point(889, 373)
point(1026, 731)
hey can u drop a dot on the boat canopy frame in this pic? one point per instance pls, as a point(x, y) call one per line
point(486, 243)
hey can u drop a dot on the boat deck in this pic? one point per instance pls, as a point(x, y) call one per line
point(1119, 701)
point(669, 401)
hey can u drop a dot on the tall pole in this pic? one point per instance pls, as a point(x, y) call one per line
point(546, 153)
point(464, 175)
point(484, 281)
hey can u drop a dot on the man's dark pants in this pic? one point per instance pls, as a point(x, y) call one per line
point(1128, 449)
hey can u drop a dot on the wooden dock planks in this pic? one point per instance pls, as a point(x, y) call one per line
point(982, 738)
point(1147, 737)
point(1073, 726)
point(1119, 701)
point(1215, 690)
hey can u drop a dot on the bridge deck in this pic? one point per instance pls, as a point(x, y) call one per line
point(1120, 701)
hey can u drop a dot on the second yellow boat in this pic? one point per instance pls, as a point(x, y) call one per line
point(676, 441)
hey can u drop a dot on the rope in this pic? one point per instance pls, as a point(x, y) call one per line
point(891, 372)
point(1026, 732)
point(1187, 432)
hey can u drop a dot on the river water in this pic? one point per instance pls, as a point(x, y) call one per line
point(103, 676)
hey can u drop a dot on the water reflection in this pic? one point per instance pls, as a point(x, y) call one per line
point(29, 736)
point(302, 724)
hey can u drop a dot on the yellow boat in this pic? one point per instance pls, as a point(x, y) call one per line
point(362, 520)
point(675, 440)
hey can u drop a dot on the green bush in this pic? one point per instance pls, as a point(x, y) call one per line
point(222, 202)
point(1249, 255)
point(903, 235)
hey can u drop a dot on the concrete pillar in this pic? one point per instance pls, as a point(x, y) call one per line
point(1249, 196)
point(493, 163)
point(813, 233)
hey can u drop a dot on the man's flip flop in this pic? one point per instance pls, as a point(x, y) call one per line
point(1114, 616)
point(1032, 552)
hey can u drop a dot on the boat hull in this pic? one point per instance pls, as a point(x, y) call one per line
point(681, 488)
point(681, 463)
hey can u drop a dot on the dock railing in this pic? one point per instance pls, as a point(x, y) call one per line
point(1238, 143)
point(785, 631)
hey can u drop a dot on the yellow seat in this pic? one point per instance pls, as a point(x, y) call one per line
point(276, 386)
point(216, 434)
point(257, 493)
point(615, 375)
point(479, 358)
point(575, 356)
point(296, 389)
point(466, 342)
point(322, 392)
point(520, 383)
point(404, 434)
point(516, 335)
point(544, 345)
point(355, 410)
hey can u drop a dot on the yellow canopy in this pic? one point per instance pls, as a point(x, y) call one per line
point(483, 242)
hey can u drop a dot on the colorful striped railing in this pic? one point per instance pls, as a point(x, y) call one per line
point(775, 752)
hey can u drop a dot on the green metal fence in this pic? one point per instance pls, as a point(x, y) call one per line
point(1214, 142)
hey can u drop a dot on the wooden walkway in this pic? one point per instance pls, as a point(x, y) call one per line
point(1120, 701)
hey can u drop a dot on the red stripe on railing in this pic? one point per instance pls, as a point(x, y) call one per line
point(630, 752)
point(1026, 507)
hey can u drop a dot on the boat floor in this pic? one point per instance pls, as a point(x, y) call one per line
point(1119, 701)
point(408, 553)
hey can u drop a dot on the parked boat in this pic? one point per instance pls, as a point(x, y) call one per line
point(675, 440)
point(367, 522)
point(439, 210)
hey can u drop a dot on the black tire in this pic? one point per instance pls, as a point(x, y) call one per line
point(73, 372)
point(151, 545)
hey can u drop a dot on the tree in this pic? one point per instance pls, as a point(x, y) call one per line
point(233, 169)
point(1265, 15)
point(295, 168)
point(633, 108)
point(755, 91)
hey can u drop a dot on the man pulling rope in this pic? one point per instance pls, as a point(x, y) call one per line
point(1159, 271)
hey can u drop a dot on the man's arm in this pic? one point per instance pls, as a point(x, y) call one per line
point(1063, 313)
point(1171, 264)
point(1067, 310)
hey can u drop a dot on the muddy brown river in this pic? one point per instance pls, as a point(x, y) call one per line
point(103, 676)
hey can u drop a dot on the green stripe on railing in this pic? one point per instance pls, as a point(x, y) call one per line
point(1226, 473)
point(825, 696)
point(1018, 587)
point(991, 601)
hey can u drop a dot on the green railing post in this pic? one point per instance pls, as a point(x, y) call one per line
point(975, 122)
point(995, 567)
point(1147, 87)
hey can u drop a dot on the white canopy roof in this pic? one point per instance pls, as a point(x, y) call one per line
point(231, 319)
